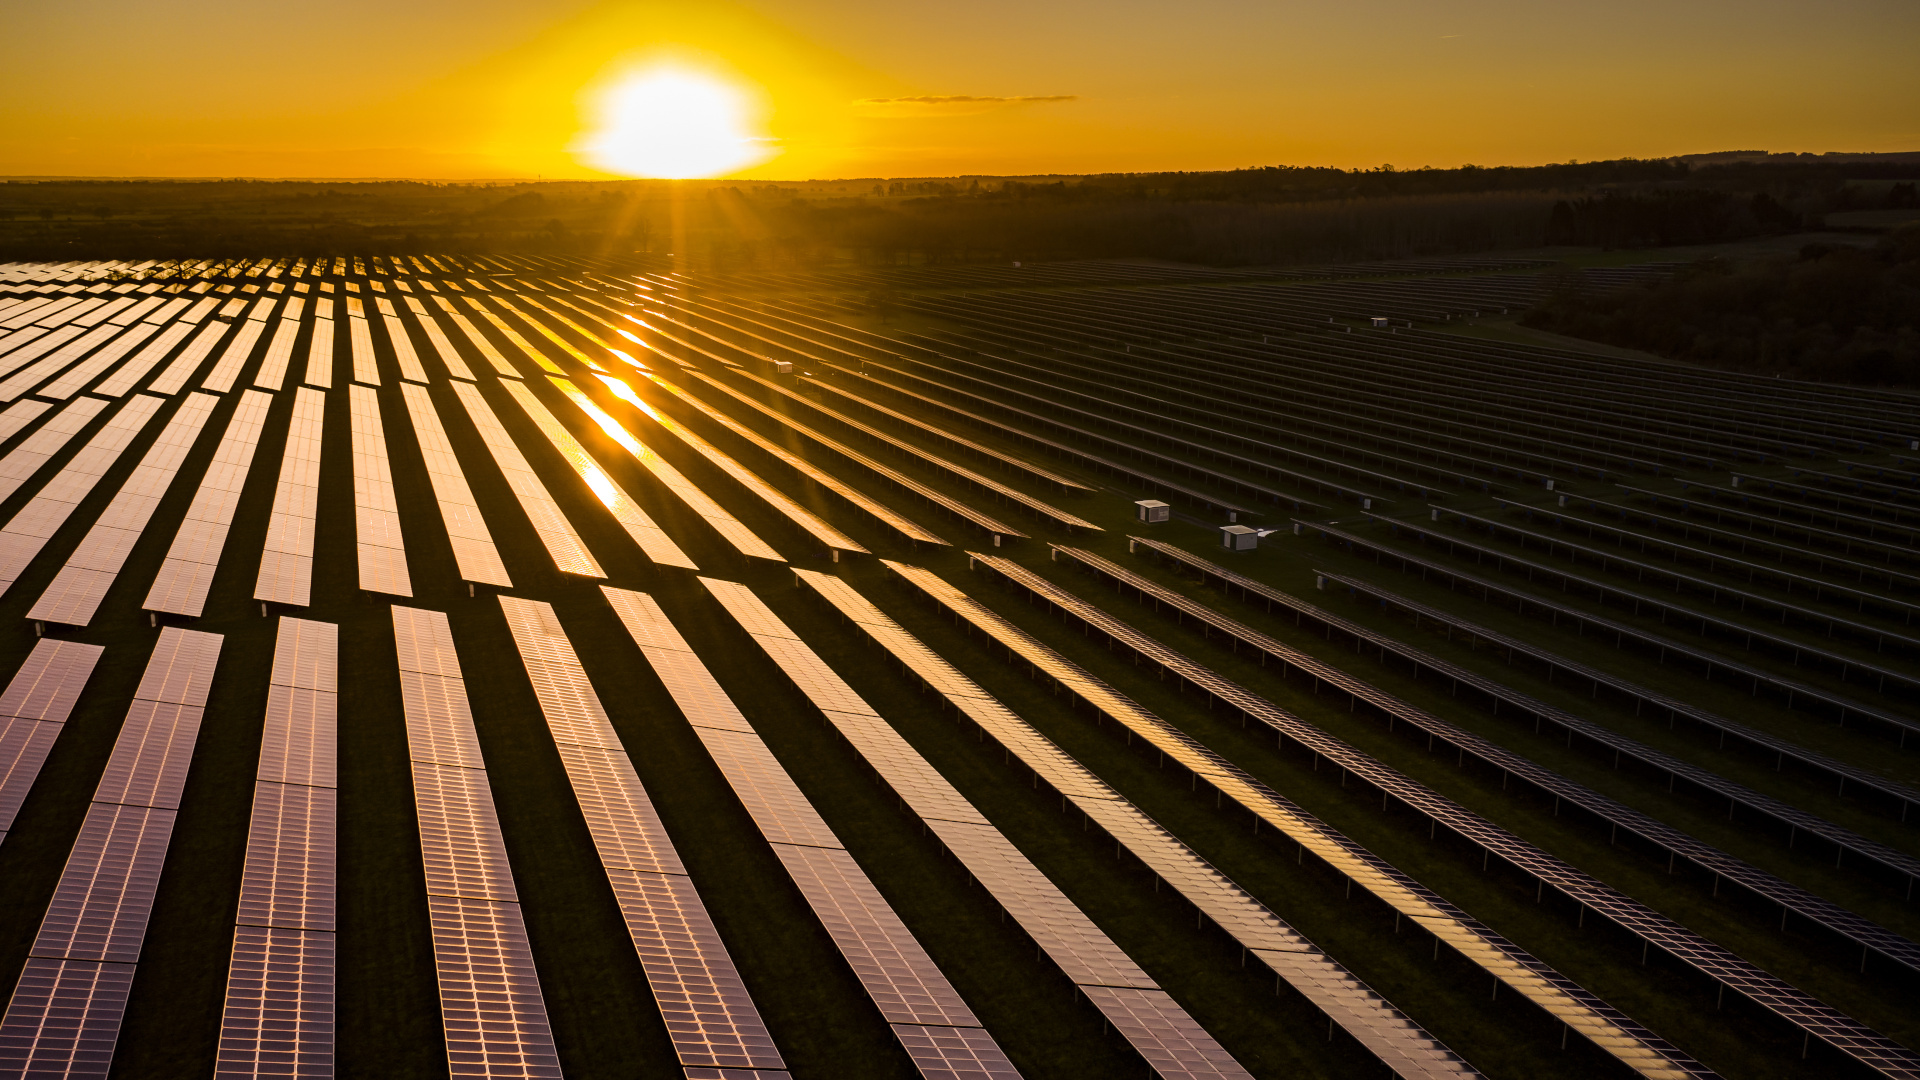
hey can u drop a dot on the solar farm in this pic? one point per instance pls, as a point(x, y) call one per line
point(521, 666)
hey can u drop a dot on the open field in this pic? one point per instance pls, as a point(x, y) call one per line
point(768, 671)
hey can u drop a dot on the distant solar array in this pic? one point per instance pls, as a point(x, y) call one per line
point(538, 466)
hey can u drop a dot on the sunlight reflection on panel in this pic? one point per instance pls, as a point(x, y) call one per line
point(603, 488)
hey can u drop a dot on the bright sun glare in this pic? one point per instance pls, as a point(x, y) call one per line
point(674, 123)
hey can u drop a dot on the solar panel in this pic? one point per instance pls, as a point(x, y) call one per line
point(549, 522)
point(479, 341)
point(492, 1010)
point(442, 346)
point(35, 524)
point(184, 578)
point(76, 591)
point(279, 1015)
point(1055, 923)
point(288, 880)
point(730, 528)
point(710, 1016)
point(826, 534)
point(286, 559)
point(1155, 1025)
point(33, 452)
point(77, 377)
point(320, 346)
point(366, 369)
point(645, 532)
point(128, 375)
point(33, 708)
point(272, 373)
point(402, 344)
point(905, 984)
point(473, 547)
point(64, 1017)
point(188, 360)
point(226, 370)
point(376, 512)
point(1710, 959)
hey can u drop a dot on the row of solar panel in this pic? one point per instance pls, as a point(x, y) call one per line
point(1785, 611)
point(278, 1018)
point(1794, 694)
point(1371, 1020)
point(287, 569)
point(492, 1010)
point(1617, 816)
point(1773, 747)
point(982, 407)
point(1608, 1028)
point(1690, 948)
point(64, 1015)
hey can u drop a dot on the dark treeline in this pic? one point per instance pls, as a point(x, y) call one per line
point(1831, 313)
point(1241, 217)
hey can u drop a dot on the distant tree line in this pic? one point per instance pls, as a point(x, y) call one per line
point(1239, 217)
point(1830, 313)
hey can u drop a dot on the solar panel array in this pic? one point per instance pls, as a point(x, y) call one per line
point(879, 511)
point(904, 982)
point(272, 373)
point(833, 539)
point(1606, 1027)
point(376, 512)
point(30, 529)
point(1685, 945)
point(557, 534)
point(184, 578)
point(279, 1013)
point(1506, 698)
point(730, 528)
point(33, 710)
point(25, 459)
point(1616, 815)
point(1722, 572)
point(459, 511)
point(320, 346)
point(1156, 1026)
point(64, 1015)
point(82, 583)
point(709, 1014)
point(286, 560)
point(491, 1006)
point(1795, 693)
point(1394, 1039)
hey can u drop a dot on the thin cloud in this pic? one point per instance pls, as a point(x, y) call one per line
point(951, 104)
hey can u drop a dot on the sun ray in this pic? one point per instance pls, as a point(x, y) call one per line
point(671, 121)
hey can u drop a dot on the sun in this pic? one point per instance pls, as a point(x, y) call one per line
point(674, 122)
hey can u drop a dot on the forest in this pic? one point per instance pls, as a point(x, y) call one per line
point(1259, 216)
point(1832, 313)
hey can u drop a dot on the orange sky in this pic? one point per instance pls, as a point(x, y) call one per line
point(496, 88)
